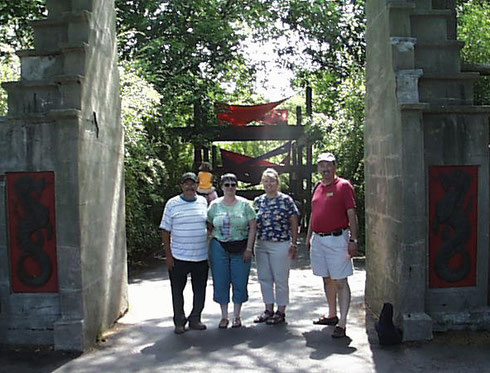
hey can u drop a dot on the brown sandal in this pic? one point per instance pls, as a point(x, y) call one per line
point(223, 324)
point(326, 320)
point(278, 318)
point(264, 316)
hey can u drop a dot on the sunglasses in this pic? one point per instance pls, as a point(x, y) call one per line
point(230, 185)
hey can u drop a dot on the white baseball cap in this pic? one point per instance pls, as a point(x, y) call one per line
point(327, 157)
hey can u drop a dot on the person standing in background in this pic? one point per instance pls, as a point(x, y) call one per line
point(206, 188)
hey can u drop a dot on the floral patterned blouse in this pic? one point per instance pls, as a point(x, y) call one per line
point(273, 217)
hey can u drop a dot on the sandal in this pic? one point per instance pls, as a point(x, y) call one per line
point(223, 324)
point(278, 318)
point(237, 322)
point(264, 316)
point(326, 320)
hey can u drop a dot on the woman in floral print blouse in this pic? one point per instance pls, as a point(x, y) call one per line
point(277, 232)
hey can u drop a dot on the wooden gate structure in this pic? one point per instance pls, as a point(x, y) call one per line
point(300, 165)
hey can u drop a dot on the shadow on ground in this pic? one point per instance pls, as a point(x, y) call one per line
point(143, 340)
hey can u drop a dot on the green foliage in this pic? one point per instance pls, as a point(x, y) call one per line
point(184, 53)
point(474, 30)
point(9, 71)
point(188, 50)
point(14, 19)
point(154, 162)
point(331, 45)
point(144, 172)
point(331, 34)
point(343, 135)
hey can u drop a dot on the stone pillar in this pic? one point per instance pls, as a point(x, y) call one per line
point(422, 132)
point(64, 125)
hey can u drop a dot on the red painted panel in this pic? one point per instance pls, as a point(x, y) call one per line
point(453, 221)
point(32, 232)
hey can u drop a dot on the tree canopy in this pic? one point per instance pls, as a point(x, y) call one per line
point(177, 55)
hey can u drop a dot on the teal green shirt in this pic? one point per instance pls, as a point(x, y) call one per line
point(230, 223)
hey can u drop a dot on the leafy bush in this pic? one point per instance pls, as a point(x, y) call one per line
point(144, 172)
point(474, 30)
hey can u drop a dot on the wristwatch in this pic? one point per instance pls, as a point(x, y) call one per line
point(353, 240)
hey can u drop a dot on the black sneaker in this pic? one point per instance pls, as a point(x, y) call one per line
point(179, 329)
point(197, 325)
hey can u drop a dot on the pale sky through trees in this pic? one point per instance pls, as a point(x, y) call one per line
point(273, 80)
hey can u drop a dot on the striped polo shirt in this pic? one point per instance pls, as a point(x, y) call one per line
point(186, 222)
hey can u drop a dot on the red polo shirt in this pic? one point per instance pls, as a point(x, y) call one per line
point(330, 204)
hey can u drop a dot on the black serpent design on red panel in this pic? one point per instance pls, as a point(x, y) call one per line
point(453, 224)
point(33, 230)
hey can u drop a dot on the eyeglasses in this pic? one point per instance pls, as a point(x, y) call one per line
point(230, 185)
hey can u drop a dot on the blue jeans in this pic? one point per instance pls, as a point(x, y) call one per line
point(228, 269)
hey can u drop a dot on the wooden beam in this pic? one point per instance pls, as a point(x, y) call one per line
point(302, 170)
point(246, 133)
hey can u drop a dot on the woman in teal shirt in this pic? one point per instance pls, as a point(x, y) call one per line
point(232, 220)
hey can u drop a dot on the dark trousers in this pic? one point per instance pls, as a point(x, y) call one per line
point(178, 280)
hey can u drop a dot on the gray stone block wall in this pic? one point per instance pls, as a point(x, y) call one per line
point(65, 117)
point(382, 138)
point(419, 112)
point(38, 144)
point(394, 168)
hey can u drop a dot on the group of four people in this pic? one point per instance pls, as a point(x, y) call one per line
point(234, 230)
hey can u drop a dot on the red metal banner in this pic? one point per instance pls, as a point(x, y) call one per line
point(453, 220)
point(32, 232)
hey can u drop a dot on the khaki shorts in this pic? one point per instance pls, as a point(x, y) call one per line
point(330, 257)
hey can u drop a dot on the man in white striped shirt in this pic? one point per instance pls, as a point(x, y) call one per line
point(184, 234)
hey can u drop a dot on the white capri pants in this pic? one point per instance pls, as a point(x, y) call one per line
point(329, 256)
point(273, 265)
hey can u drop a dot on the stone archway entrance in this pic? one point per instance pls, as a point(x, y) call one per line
point(423, 135)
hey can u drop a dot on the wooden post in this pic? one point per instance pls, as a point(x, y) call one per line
point(197, 123)
point(299, 116)
point(197, 156)
point(300, 147)
point(301, 175)
point(309, 101)
point(197, 114)
point(293, 175)
point(214, 151)
point(205, 150)
point(309, 156)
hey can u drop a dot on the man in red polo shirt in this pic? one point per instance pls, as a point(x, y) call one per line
point(332, 240)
